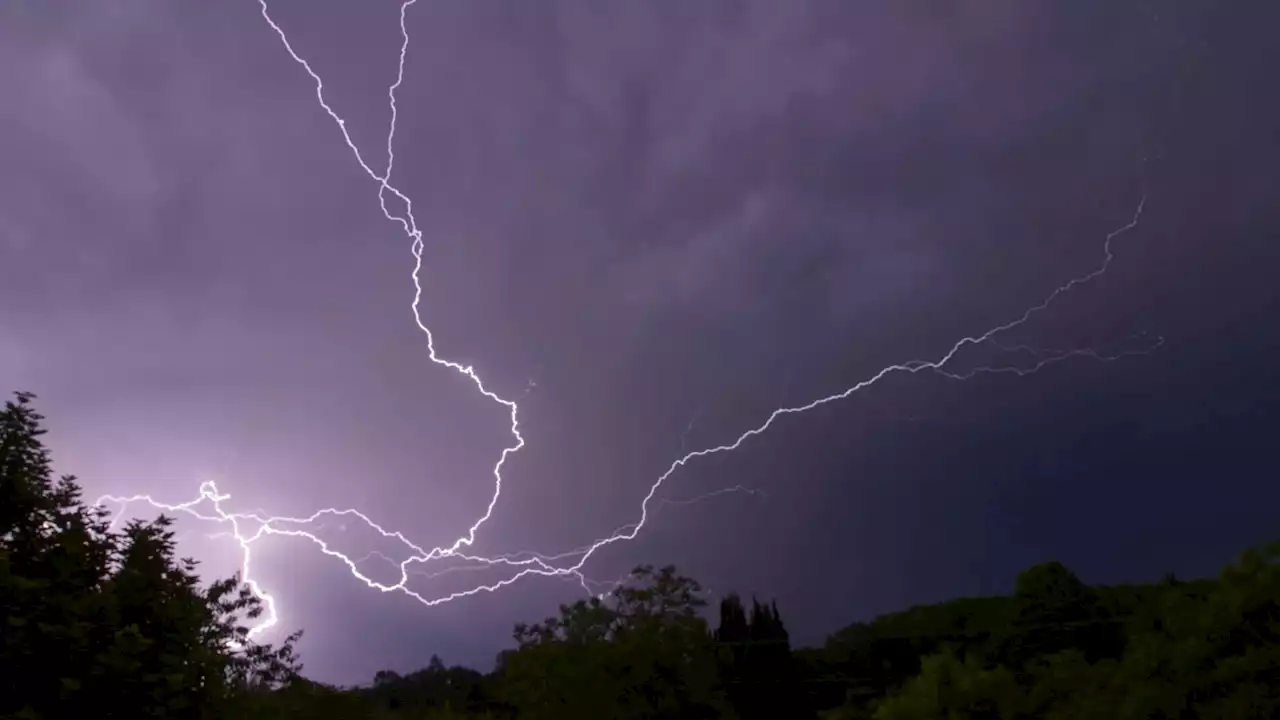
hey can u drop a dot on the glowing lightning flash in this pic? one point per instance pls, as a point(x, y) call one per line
point(248, 527)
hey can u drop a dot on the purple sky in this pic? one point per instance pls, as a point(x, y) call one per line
point(651, 224)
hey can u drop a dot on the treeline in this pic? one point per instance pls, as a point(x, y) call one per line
point(98, 622)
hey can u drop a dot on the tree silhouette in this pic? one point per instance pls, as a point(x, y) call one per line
point(110, 620)
point(755, 661)
point(642, 653)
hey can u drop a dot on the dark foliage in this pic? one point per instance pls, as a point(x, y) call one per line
point(756, 665)
point(112, 623)
point(111, 620)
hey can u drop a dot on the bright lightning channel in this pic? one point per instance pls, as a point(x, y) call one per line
point(247, 528)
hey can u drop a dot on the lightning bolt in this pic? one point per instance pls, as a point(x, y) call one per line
point(246, 528)
point(755, 492)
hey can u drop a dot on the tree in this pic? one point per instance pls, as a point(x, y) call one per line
point(105, 619)
point(1202, 649)
point(1199, 651)
point(54, 554)
point(948, 687)
point(434, 689)
point(644, 652)
point(755, 661)
point(1054, 611)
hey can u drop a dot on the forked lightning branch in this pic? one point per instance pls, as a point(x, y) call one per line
point(248, 528)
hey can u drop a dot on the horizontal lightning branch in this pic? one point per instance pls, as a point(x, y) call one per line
point(246, 528)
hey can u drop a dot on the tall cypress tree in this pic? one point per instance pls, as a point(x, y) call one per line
point(756, 663)
point(734, 627)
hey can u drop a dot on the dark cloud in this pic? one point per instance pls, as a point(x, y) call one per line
point(652, 222)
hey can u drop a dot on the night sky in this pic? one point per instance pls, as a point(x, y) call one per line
point(651, 224)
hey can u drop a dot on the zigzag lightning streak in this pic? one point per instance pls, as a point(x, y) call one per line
point(249, 527)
